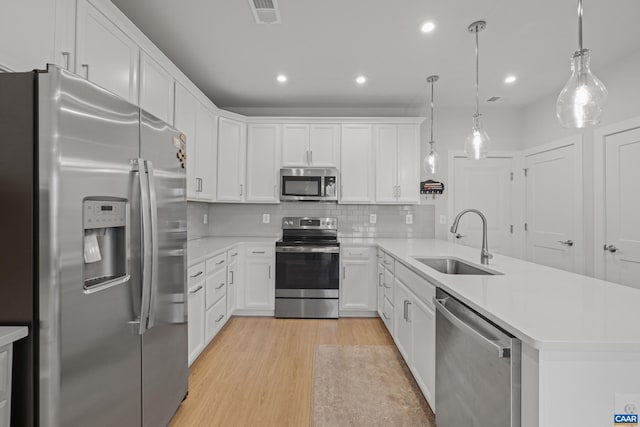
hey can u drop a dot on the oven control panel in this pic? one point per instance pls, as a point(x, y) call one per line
point(302, 223)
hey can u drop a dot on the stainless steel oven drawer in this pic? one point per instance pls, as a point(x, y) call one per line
point(320, 308)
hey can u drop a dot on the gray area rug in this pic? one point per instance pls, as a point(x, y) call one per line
point(365, 386)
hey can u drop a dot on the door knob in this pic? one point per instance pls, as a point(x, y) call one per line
point(611, 248)
point(566, 242)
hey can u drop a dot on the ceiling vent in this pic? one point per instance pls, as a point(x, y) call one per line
point(265, 11)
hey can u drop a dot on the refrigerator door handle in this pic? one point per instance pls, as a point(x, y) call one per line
point(153, 205)
point(140, 166)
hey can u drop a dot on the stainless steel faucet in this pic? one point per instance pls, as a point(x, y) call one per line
point(485, 256)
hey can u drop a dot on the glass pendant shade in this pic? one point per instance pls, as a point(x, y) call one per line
point(432, 160)
point(476, 146)
point(583, 98)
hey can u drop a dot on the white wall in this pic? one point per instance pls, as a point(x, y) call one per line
point(540, 126)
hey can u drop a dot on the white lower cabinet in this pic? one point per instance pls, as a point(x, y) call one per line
point(387, 314)
point(196, 312)
point(233, 277)
point(216, 317)
point(358, 287)
point(423, 339)
point(259, 279)
point(402, 321)
point(380, 288)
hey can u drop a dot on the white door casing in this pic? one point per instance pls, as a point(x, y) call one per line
point(617, 202)
point(554, 208)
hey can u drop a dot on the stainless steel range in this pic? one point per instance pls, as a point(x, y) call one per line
point(308, 268)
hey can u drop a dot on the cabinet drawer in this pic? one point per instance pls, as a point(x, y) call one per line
point(259, 251)
point(196, 273)
point(387, 315)
point(424, 290)
point(216, 286)
point(216, 263)
point(232, 255)
point(388, 284)
point(216, 317)
point(389, 262)
point(356, 252)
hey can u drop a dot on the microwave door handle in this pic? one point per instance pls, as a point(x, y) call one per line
point(153, 206)
point(139, 166)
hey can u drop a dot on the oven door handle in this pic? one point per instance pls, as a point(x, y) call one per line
point(308, 249)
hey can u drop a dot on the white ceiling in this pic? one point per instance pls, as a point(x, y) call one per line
point(323, 45)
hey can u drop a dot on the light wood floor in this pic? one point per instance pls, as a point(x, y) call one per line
point(258, 371)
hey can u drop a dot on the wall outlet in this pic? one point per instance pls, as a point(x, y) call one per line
point(373, 218)
point(409, 219)
point(266, 218)
point(443, 220)
point(627, 403)
point(205, 219)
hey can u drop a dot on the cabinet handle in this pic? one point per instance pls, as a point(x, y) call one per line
point(311, 156)
point(219, 318)
point(344, 272)
point(66, 56)
point(406, 310)
point(380, 279)
point(220, 262)
point(307, 156)
point(386, 262)
point(200, 184)
point(231, 277)
point(385, 285)
point(399, 191)
point(566, 242)
point(220, 287)
point(275, 191)
point(234, 254)
point(86, 70)
point(241, 189)
point(257, 252)
point(269, 272)
point(199, 273)
point(195, 290)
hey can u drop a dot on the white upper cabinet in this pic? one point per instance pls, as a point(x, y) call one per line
point(156, 89)
point(310, 145)
point(356, 160)
point(262, 163)
point(205, 155)
point(105, 55)
point(397, 149)
point(231, 160)
point(186, 110)
point(27, 30)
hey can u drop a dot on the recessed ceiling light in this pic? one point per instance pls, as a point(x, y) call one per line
point(361, 80)
point(428, 26)
point(510, 79)
point(281, 78)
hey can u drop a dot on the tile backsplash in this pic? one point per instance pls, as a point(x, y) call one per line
point(195, 224)
point(353, 220)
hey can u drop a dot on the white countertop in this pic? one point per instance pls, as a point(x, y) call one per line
point(199, 249)
point(548, 309)
point(10, 334)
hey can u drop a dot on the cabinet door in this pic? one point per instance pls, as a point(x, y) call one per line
point(105, 55)
point(27, 32)
point(196, 322)
point(186, 109)
point(232, 287)
point(259, 285)
point(231, 155)
point(356, 167)
point(380, 289)
point(402, 320)
point(205, 153)
point(424, 348)
point(356, 292)
point(386, 146)
point(324, 142)
point(156, 89)
point(262, 163)
point(408, 164)
point(295, 145)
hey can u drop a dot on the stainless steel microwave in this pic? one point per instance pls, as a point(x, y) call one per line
point(309, 184)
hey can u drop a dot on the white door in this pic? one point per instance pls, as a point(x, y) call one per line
point(355, 288)
point(262, 163)
point(295, 145)
point(259, 290)
point(386, 149)
point(554, 209)
point(156, 89)
point(196, 322)
point(231, 155)
point(622, 207)
point(356, 164)
point(105, 55)
point(323, 145)
point(484, 185)
point(27, 33)
point(205, 155)
point(408, 164)
point(186, 110)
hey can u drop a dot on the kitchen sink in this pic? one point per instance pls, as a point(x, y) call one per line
point(454, 266)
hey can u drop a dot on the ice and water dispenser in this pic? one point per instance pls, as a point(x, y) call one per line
point(105, 243)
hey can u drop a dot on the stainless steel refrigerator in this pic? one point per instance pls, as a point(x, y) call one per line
point(94, 228)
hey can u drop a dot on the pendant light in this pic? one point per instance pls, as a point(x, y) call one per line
point(476, 145)
point(583, 98)
point(432, 160)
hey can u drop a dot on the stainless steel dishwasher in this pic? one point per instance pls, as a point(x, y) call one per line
point(477, 369)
